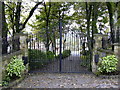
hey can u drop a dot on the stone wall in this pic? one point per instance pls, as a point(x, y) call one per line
point(98, 52)
point(117, 53)
point(6, 59)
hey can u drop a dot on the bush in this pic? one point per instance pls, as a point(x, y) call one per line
point(66, 53)
point(85, 60)
point(36, 54)
point(5, 80)
point(86, 52)
point(14, 70)
point(108, 64)
point(15, 67)
point(50, 55)
point(38, 58)
point(83, 57)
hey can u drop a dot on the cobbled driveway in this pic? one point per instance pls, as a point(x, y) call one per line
point(66, 80)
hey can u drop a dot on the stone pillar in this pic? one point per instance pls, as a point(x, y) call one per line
point(23, 44)
point(97, 44)
point(24, 47)
point(105, 38)
point(117, 53)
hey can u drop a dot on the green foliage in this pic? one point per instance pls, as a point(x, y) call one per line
point(85, 60)
point(108, 64)
point(85, 52)
point(14, 70)
point(38, 58)
point(15, 67)
point(118, 22)
point(36, 54)
point(50, 55)
point(6, 80)
point(5, 83)
point(66, 53)
point(83, 57)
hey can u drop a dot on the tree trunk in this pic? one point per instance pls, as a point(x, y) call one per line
point(4, 31)
point(54, 42)
point(47, 25)
point(110, 10)
point(94, 21)
point(16, 41)
point(88, 16)
point(47, 35)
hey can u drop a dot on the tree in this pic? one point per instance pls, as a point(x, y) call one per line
point(4, 31)
point(14, 14)
point(94, 19)
point(47, 22)
point(110, 6)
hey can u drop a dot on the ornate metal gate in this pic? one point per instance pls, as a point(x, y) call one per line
point(62, 51)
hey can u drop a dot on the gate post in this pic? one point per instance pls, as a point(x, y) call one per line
point(1, 43)
point(98, 44)
point(24, 47)
point(117, 53)
point(60, 27)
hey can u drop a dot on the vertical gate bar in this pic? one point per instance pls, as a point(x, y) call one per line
point(60, 69)
point(34, 37)
point(67, 68)
point(30, 42)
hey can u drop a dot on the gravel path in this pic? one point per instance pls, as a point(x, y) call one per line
point(66, 80)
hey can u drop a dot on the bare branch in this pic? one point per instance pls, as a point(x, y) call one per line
point(30, 14)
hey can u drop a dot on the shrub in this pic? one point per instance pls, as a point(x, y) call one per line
point(36, 54)
point(66, 53)
point(14, 70)
point(38, 58)
point(86, 52)
point(5, 80)
point(50, 55)
point(83, 57)
point(85, 60)
point(108, 64)
point(15, 67)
